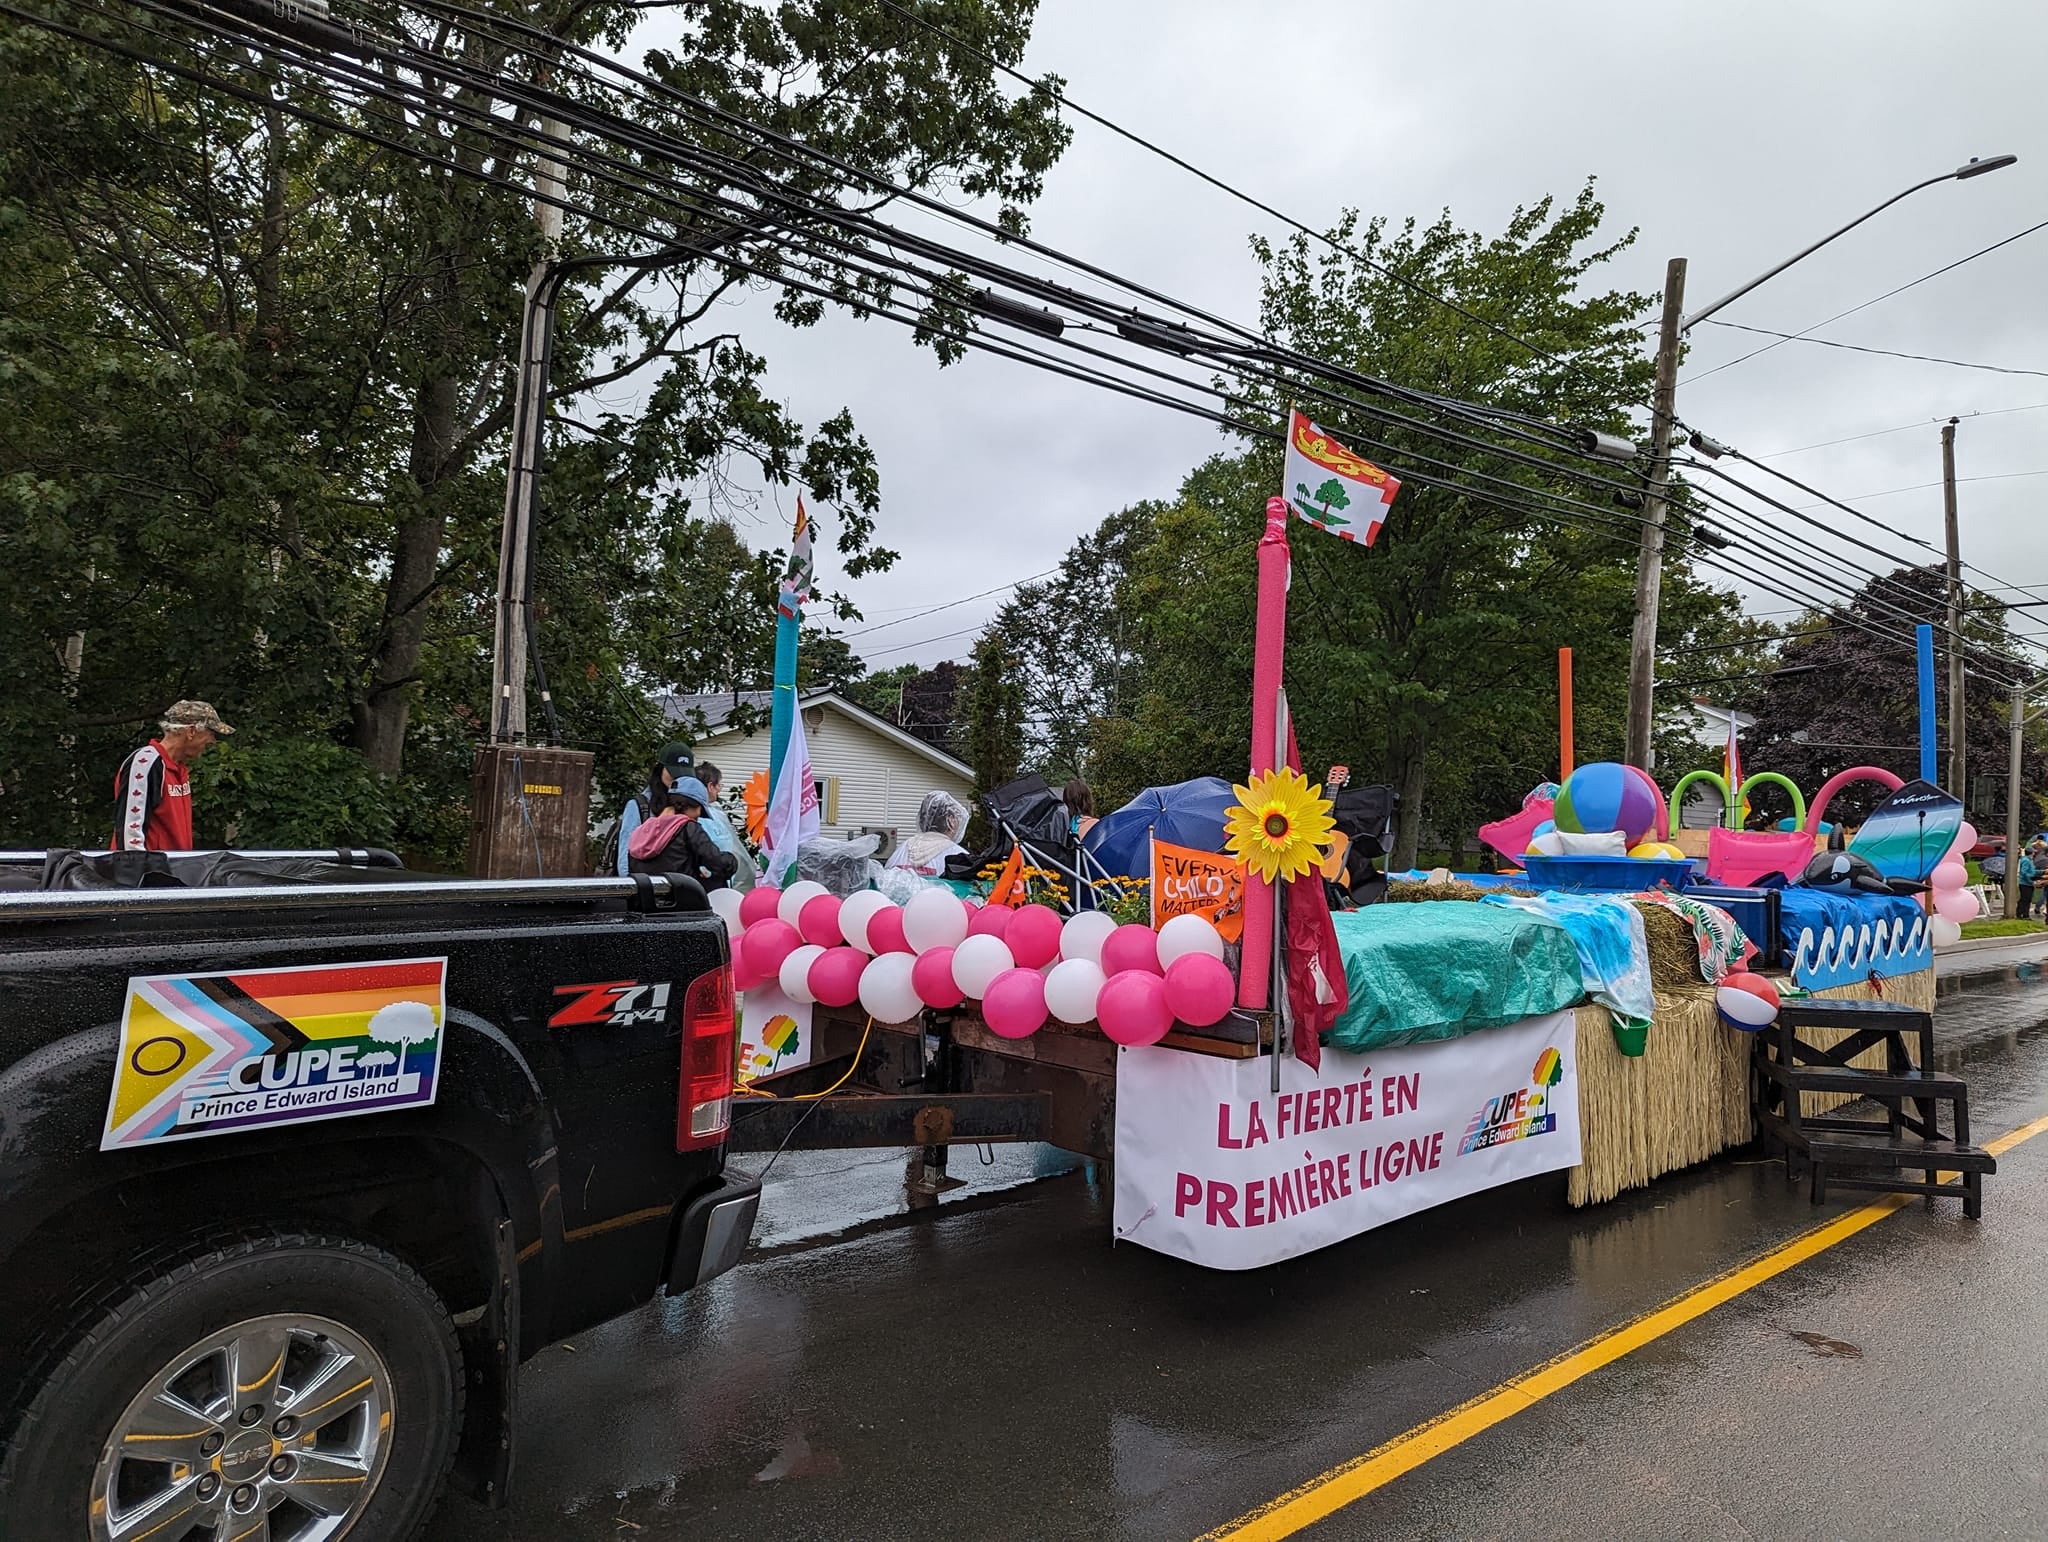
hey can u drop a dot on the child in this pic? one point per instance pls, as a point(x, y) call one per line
point(675, 841)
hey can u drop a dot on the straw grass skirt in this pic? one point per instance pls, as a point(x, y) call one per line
point(1687, 1096)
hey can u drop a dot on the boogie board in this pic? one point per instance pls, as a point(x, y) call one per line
point(1910, 831)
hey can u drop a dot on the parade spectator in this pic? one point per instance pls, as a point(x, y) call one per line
point(153, 788)
point(940, 819)
point(675, 760)
point(675, 843)
point(2031, 861)
point(1079, 798)
point(720, 827)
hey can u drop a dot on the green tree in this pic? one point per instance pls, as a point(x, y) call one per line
point(1428, 661)
point(995, 716)
point(255, 380)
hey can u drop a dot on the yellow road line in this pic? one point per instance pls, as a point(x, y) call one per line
point(1348, 1482)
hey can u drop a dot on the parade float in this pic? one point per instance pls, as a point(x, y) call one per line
point(1271, 1075)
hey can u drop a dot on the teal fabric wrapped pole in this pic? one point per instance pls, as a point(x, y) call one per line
point(789, 613)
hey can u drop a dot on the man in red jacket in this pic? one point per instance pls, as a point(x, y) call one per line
point(153, 789)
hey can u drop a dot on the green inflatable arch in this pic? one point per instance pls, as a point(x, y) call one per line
point(1685, 781)
point(1798, 802)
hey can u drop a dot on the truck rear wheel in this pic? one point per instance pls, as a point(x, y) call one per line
point(280, 1387)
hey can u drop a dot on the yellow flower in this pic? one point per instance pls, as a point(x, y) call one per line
point(1278, 824)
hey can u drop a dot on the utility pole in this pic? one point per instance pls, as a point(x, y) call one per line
point(1957, 763)
point(529, 424)
point(1642, 655)
point(2012, 799)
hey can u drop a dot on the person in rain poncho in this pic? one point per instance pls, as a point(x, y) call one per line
point(940, 819)
point(720, 827)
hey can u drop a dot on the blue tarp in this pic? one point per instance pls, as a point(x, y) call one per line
point(1843, 938)
point(1433, 970)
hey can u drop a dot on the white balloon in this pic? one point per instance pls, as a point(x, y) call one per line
point(1943, 931)
point(726, 903)
point(977, 961)
point(934, 918)
point(1188, 934)
point(1071, 990)
point(886, 992)
point(796, 896)
point(1084, 934)
point(856, 912)
point(795, 974)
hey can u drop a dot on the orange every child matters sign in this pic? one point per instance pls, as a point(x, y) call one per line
point(1188, 882)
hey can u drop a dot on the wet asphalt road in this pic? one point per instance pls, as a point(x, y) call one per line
point(998, 1370)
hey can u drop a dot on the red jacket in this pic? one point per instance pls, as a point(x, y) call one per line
point(152, 802)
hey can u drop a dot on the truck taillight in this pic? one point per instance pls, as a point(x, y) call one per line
point(704, 1094)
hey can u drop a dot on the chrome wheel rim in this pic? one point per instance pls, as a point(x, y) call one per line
point(273, 1430)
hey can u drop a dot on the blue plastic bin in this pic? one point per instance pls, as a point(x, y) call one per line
point(1608, 875)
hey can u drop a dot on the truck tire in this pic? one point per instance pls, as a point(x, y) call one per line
point(311, 1381)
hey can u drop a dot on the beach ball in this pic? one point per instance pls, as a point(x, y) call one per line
point(1606, 796)
point(1746, 1001)
point(1649, 849)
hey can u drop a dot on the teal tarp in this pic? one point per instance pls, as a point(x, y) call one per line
point(1435, 970)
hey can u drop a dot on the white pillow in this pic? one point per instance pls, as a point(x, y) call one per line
point(1608, 843)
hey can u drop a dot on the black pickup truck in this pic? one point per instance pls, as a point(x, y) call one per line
point(293, 1178)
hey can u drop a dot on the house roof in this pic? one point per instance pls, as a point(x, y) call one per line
point(717, 709)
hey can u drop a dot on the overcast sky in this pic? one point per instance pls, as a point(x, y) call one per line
point(1729, 132)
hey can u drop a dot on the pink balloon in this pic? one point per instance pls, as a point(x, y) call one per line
point(1132, 946)
point(1966, 837)
point(1034, 936)
point(1132, 1008)
point(1949, 874)
point(766, 944)
point(758, 905)
point(1199, 989)
point(819, 921)
point(932, 978)
point(1014, 1004)
point(835, 977)
point(1957, 905)
point(885, 931)
point(990, 921)
point(743, 978)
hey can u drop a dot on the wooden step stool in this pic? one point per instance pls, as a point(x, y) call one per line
point(1865, 1153)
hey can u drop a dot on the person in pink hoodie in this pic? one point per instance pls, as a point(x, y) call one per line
point(675, 842)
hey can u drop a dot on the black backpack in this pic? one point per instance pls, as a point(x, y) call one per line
point(608, 864)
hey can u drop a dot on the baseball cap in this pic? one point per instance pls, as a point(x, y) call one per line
point(689, 787)
point(677, 759)
point(195, 714)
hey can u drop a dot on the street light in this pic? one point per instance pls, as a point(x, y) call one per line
point(1974, 167)
point(1663, 413)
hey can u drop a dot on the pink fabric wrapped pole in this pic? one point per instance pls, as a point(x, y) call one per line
point(1256, 969)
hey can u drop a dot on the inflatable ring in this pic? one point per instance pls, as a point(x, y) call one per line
point(1888, 780)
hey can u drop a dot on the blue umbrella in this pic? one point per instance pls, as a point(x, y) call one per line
point(1185, 814)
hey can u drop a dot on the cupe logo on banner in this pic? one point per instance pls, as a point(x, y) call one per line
point(206, 1054)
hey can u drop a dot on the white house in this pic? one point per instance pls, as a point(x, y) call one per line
point(871, 774)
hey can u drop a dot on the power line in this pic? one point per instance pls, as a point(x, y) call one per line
point(950, 604)
point(1889, 353)
point(1224, 187)
point(1879, 433)
point(1852, 310)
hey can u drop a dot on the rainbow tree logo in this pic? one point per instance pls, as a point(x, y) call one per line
point(1520, 1114)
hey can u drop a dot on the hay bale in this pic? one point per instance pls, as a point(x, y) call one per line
point(1408, 891)
point(1674, 952)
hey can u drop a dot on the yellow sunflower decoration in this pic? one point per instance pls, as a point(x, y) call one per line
point(1278, 824)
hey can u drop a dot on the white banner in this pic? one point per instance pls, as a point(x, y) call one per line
point(1214, 1167)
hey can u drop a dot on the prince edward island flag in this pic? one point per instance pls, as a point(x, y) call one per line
point(1330, 487)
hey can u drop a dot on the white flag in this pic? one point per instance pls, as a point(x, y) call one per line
point(792, 808)
point(1330, 487)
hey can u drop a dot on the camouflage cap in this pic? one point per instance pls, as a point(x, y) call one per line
point(194, 714)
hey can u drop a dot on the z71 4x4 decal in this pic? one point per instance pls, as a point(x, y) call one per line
point(613, 1003)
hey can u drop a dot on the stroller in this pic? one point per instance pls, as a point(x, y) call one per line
point(1364, 817)
point(1027, 815)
